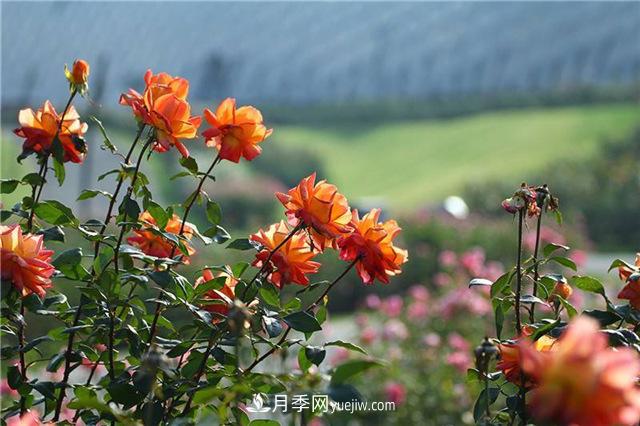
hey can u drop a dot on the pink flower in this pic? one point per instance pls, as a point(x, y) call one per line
point(368, 335)
point(473, 261)
point(392, 306)
point(579, 257)
point(419, 293)
point(372, 301)
point(459, 360)
point(441, 279)
point(395, 329)
point(458, 343)
point(431, 340)
point(395, 392)
point(447, 259)
point(418, 310)
point(339, 355)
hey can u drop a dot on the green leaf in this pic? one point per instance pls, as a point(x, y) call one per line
point(351, 368)
point(243, 244)
point(564, 261)
point(499, 318)
point(190, 164)
point(14, 378)
point(58, 160)
point(263, 422)
point(129, 207)
point(551, 247)
point(303, 362)
point(214, 213)
point(55, 233)
point(32, 179)
point(571, 310)
point(106, 142)
point(55, 213)
point(605, 318)
point(7, 186)
point(55, 363)
point(158, 213)
point(302, 321)
point(346, 345)
point(69, 263)
point(501, 283)
point(618, 263)
point(541, 331)
point(484, 401)
point(315, 354)
point(589, 284)
point(270, 295)
point(90, 193)
point(124, 393)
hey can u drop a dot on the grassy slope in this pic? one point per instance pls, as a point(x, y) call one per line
point(408, 163)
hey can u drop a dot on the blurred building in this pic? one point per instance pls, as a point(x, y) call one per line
point(296, 53)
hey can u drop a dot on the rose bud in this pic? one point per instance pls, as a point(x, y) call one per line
point(78, 76)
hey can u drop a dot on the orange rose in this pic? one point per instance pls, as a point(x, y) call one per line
point(509, 362)
point(171, 117)
point(583, 381)
point(292, 262)
point(39, 128)
point(155, 86)
point(164, 107)
point(25, 260)
point(79, 75)
point(225, 295)
point(371, 244)
point(156, 245)
point(320, 207)
point(235, 132)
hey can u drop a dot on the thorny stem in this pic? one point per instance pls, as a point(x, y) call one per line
point(35, 198)
point(123, 227)
point(76, 318)
point(522, 391)
point(311, 307)
point(156, 315)
point(519, 274)
point(536, 275)
point(203, 365)
point(23, 365)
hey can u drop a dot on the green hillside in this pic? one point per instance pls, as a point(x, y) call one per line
point(414, 162)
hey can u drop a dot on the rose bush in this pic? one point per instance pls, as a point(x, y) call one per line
point(114, 357)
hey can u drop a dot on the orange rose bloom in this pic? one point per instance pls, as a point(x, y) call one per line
point(226, 294)
point(509, 362)
point(320, 207)
point(39, 128)
point(164, 107)
point(371, 243)
point(155, 245)
point(291, 262)
point(235, 132)
point(25, 261)
point(583, 381)
point(79, 74)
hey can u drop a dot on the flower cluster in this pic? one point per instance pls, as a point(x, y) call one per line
point(630, 274)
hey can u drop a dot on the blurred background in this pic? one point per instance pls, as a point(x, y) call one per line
point(433, 111)
point(402, 105)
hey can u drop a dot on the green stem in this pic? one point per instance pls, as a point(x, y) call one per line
point(536, 275)
point(187, 210)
